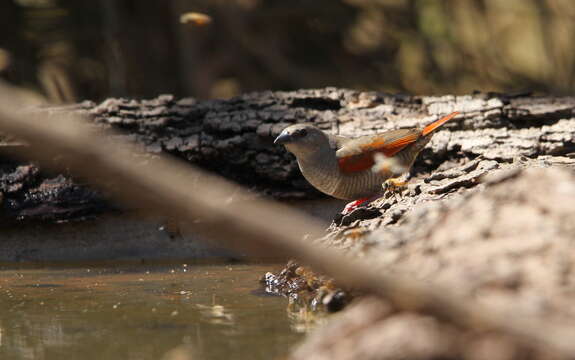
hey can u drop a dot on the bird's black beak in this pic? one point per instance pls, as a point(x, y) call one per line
point(283, 138)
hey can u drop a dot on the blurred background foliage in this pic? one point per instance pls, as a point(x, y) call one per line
point(71, 50)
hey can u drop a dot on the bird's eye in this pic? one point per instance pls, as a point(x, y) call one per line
point(302, 133)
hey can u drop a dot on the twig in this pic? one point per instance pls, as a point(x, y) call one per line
point(260, 223)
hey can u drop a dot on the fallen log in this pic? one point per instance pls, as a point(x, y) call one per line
point(234, 138)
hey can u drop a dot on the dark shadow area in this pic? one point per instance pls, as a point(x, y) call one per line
point(70, 50)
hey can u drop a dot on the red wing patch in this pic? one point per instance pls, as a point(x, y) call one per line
point(356, 163)
point(365, 161)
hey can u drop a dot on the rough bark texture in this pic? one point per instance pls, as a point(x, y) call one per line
point(234, 138)
point(507, 240)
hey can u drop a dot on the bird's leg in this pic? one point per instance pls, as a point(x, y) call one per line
point(358, 203)
point(394, 185)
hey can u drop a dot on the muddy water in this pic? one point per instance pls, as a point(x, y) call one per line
point(142, 312)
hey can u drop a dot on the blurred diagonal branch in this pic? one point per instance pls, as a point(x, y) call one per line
point(268, 225)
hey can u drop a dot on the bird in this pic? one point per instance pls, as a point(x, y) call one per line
point(344, 167)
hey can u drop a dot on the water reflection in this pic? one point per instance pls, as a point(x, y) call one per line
point(183, 312)
point(217, 314)
point(304, 318)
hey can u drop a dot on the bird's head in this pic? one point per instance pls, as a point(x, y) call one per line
point(303, 139)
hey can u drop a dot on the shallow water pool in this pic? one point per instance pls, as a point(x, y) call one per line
point(142, 312)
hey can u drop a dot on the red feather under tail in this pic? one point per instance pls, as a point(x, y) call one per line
point(434, 125)
point(358, 203)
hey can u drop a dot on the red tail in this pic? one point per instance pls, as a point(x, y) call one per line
point(434, 125)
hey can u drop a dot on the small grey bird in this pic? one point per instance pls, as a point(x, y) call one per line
point(342, 167)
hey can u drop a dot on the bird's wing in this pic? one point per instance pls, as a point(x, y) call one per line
point(354, 155)
point(357, 154)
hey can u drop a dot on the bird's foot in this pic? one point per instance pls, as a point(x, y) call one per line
point(394, 186)
point(357, 204)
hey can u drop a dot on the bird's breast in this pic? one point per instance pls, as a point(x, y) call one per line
point(359, 185)
point(328, 179)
